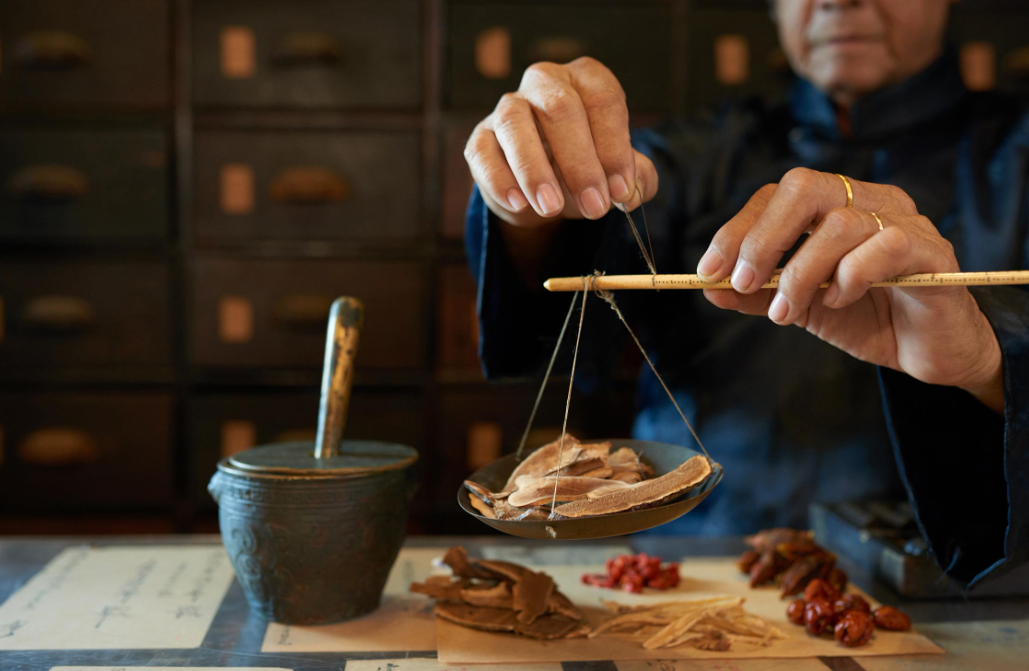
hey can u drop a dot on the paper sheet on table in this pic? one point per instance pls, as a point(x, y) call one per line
point(404, 622)
point(118, 598)
point(701, 577)
point(427, 664)
point(1001, 645)
point(166, 668)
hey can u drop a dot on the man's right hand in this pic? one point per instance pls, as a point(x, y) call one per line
point(558, 148)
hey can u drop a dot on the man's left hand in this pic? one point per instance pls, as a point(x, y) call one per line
point(935, 334)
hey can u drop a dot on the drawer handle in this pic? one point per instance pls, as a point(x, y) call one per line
point(307, 185)
point(51, 50)
point(58, 314)
point(48, 183)
point(558, 48)
point(303, 48)
point(57, 447)
point(302, 312)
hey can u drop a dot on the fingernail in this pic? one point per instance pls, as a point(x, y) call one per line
point(778, 309)
point(831, 294)
point(742, 276)
point(592, 203)
point(516, 200)
point(546, 197)
point(619, 189)
point(709, 263)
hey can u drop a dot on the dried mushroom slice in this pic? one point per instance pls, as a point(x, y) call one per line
point(642, 494)
point(457, 559)
point(531, 594)
point(541, 491)
point(442, 587)
point(491, 596)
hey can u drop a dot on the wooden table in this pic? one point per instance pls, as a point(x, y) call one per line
point(235, 636)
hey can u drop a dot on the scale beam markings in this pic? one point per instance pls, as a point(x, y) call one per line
point(612, 282)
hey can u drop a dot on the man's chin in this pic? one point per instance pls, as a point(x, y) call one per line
point(851, 80)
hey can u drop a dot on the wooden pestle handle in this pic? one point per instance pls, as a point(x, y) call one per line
point(346, 318)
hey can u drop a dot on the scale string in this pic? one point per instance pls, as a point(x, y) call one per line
point(610, 299)
point(546, 378)
point(568, 401)
point(648, 257)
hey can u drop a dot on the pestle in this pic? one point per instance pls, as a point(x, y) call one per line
point(346, 318)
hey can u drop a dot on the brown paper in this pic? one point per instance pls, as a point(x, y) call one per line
point(717, 665)
point(404, 622)
point(1000, 645)
point(701, 577)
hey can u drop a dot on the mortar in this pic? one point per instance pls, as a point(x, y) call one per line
point(312, 528)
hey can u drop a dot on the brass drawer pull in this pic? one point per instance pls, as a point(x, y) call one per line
point(54, 183)
point(58, 314)
point(302, 312)
point(304, 48)
point(57, 447)
point(308, 185)
point(51, 50)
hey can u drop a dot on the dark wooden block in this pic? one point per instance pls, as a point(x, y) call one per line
point(307, 186)
point(733, 53)
point(86, 314)
point(83, 186)
point(457, 325)
point(307, 54)
point(491, 44)
point(273, 313)
point(96, 54)
point(73, 451)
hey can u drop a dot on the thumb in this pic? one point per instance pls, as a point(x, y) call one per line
point(646, 183)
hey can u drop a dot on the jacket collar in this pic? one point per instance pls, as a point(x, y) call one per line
point(892, 109)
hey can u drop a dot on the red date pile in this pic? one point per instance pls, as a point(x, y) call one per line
point(634, 572)
point(848, 617)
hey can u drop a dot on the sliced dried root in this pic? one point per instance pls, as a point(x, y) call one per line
point(711, 623)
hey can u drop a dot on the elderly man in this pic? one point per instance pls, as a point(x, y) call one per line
point(879, 164)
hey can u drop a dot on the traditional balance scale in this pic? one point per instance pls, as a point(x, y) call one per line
point(664, 458)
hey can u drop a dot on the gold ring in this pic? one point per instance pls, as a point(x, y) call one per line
point(877, 220)
point(850, 191)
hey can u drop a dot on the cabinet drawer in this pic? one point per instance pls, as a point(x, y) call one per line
point(273, 313)
point(307, 186)
point(97, 186)
point(457, 179)
point(86, 315)
point(307, 54)
point(734, 53)
point(75, 450)
point(101, 53)
point(457, 324)
point(491, 44)
point(221, 425)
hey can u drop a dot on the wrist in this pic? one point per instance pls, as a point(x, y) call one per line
point(986, 383)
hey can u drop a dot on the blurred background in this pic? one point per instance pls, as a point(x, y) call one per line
point(185, 185)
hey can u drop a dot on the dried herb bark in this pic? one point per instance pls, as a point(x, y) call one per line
point(501, 596)
point(591, 480)
point(646, 493)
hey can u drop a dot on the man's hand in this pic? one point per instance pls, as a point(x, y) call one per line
point(935, 334)
point(558, 148)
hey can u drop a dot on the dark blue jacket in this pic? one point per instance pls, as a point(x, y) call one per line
point(792, 419)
